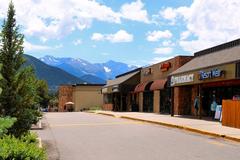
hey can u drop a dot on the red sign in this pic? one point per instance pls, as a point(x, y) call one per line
point(165, 66)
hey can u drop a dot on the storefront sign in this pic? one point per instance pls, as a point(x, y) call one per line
point(104, 90)
point(148, 71)
point(165, 67)
point(182, 79)
point(115, 88)
point(214, 73)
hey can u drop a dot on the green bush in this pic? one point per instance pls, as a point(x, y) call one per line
point(30, 138)
point(12, 148)
point(6, 123)
point(25, 119)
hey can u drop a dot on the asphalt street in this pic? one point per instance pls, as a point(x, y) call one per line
point(88, 136)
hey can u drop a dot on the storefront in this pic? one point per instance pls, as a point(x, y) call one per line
point(79, 97)
point(153, 92)
point(118, 93)
point(212, 76)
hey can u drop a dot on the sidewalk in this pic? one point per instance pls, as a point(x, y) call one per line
point(206, 127)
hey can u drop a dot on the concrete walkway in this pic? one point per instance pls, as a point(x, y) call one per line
point(212, 128)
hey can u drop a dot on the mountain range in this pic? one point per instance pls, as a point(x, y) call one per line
point(57, 71)
point(91, 72)
point(52, 75)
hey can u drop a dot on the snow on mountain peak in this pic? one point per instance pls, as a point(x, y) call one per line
point(80, 67)
point(107, 69)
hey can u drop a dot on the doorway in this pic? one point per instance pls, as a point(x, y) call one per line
point(165, 103)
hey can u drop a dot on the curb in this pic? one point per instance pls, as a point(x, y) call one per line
point(176, 126)
point(39, 142)
point(106, 114)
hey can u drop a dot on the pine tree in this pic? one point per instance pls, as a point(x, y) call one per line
point(18, 96)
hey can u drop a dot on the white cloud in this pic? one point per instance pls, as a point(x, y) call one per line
point(134, 11)
point(160, 59)
point(97, 37)
point(184, 35)
point(77, 42)
point(120, 36)
point(53, 19)
point(210, 22)
point(157, 35)
point(33, 47)
point(163, 50)
point(168, 13)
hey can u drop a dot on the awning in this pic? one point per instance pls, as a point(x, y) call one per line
point(158, 84)
point(113, 85)
point(107, 90)
point(140, 87)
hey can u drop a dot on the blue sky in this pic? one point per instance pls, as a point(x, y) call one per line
point(137, 32)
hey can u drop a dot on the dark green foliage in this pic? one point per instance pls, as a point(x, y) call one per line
point(6, 123)
point(25, 120)
point(11, 59)
point(42, 92)
point(12, 148)
point(19, 96)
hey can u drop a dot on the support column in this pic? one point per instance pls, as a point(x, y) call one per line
point(172, 101)
point(141, 102)
point(156, 101)
point(121, 102)
point(200, 101)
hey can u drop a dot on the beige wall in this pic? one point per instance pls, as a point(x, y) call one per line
point(87, 97)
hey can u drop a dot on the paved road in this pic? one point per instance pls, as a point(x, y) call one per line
point(86, 136)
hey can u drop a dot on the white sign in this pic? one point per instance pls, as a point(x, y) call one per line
point(115, 88)
point(181, 79)
point(104, 90)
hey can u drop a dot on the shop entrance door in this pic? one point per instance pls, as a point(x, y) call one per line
point(165, 104)
point(148, 101)
point(219, 93)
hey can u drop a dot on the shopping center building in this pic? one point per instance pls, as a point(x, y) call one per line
point(213, 74)
point(118, 93)
point(153, 93)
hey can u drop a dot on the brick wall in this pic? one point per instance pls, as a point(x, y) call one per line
point(182, 100)
point(65, 94)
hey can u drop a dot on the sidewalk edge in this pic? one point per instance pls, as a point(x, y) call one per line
point(175, 126)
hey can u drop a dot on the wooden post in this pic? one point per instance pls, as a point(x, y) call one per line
point(172, 101)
